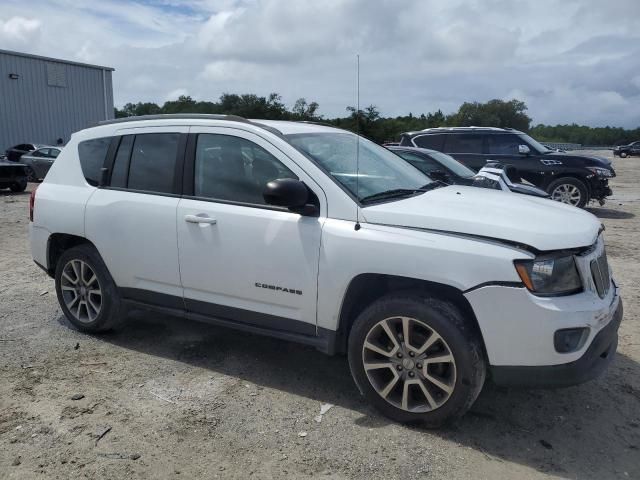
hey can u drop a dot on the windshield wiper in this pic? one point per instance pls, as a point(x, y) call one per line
point(402, 192)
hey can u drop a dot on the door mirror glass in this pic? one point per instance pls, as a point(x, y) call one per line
point(524, 149)
point(286, 192)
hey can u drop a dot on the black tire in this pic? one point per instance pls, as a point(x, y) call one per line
point(31, 174)
point(623, 154)
point(570, 182)
point(460, 337)
point(111, 311)
point(19, 186)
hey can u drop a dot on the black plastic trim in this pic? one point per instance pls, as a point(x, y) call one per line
point(288, 329)
point(593, 362)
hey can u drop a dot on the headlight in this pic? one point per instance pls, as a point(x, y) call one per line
point(550, 275)
point(601, 172)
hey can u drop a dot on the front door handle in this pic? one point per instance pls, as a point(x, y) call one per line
point(200, 219)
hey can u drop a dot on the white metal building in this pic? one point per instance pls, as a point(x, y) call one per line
point(44, 99)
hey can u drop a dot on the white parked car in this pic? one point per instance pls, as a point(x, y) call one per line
point(276, 228)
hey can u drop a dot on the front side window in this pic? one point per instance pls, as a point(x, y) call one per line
point(463, 143)
point(92, 154)
point(503, 144)
point(234, 169)
point(424, 164)
point(377, 171)
point(153, 162)
point(54, 152)
point(40, 153)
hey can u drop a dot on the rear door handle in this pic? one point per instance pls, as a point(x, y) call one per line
point(200, 219)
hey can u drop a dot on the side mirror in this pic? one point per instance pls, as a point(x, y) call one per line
point(286, 192)
point(439, 175)
point(524, 150)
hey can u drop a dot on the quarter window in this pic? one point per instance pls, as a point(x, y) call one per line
point(153, 162)
point(92, 154)
point(503, 144)
point(234, 169)
point(463, 143)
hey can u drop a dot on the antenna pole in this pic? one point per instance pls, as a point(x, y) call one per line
point(357, 225)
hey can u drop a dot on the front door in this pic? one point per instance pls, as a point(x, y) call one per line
point(240, 259)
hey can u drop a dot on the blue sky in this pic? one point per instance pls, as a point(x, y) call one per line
point(569, 60)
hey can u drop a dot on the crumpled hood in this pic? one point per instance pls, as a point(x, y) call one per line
point(537, 222)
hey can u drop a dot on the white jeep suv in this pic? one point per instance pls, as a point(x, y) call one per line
point(311, 234)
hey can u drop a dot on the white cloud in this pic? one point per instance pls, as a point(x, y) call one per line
point(570, 60)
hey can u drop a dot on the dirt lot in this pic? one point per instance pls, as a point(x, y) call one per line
point(186, 400)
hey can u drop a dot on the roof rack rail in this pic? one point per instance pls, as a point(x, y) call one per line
point(176, 116)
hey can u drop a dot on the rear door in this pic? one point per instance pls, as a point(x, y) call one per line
point(132, 221)
point(240, 259)
point(467, 148)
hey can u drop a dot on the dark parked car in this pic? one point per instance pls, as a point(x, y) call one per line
point(39, 162)
point(569, 178)
point(13, 176)
point(14, 153)
point(445, 168)
point(624, 151)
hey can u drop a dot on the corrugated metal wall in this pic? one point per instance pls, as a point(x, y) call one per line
point(34, 107)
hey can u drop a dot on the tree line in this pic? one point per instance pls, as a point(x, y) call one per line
point(370, 123)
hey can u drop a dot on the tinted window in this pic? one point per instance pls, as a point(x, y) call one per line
point(503, 144)
point(153, 162)
point(235, 169)
point(424, 164)
point(40, 153)
point(92, 154)
point(463, 143)
point(121, 163)
point(54, 152)
point(433, 142)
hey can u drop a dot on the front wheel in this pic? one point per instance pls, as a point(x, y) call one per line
point(86, 292)
point(623, 154)
point(416, 359)
point(569, 190)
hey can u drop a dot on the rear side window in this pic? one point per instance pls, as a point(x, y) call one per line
point(463, 143)
point(153, 162)
point(92, 154)
point(433, 142)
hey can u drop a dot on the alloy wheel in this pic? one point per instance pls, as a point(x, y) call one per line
point(81, 291)
point(567, 193)
point(409, 364)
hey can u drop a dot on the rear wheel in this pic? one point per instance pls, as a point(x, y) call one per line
point(569, 190)
point(31, 174)
point(86, 292)
point(19, 186)
point(416, 359)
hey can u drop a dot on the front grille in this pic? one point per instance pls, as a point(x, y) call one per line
point(600, 274)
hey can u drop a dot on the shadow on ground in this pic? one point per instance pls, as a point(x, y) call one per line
point(610, 213)
point(592, 430)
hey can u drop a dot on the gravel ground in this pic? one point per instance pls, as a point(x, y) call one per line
point(167, 398)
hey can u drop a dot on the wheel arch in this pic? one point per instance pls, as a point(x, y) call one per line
point(365, 288)
point(57, 244)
